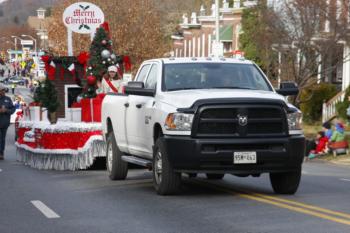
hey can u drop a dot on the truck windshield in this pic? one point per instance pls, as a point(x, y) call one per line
point(186, 76)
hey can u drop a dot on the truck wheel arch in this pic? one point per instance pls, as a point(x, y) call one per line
point(109, 126)
point(157, 132)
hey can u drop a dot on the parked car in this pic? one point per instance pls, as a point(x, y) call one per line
point(4, 79)
point(16, 80)
point(198, 115)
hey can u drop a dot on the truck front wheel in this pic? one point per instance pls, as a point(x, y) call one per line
point(116, 167)
point(165, 180)
point(285, 183)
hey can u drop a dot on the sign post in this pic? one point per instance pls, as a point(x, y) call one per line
point(70, 42)
point(83, 18)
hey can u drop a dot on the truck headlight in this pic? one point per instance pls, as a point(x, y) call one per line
point(179, 121)
point(295, 122)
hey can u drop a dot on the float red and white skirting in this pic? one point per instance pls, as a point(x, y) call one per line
point(63, 146)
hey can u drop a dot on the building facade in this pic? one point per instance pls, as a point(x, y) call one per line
point(196, 34)
point(40, 23)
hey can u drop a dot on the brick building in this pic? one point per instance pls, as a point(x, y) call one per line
point(195, 35)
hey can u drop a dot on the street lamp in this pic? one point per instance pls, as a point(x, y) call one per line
point(16, 37)
point(35, 45)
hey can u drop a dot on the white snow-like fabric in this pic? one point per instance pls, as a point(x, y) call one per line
point(61, 126)
point(63, 159)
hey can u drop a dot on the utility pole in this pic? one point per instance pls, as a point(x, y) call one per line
point(217, 21)
point(217, 46)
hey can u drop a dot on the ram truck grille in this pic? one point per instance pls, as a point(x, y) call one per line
point(240, 121)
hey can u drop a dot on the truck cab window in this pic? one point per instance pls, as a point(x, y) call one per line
point(143, 73)
point(152, 77)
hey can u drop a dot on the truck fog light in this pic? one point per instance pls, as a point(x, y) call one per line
point(179, 121)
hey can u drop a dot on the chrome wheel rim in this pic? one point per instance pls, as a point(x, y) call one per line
point(158, 167)
point(110, 157)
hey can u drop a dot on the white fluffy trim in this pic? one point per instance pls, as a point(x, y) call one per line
point(63, 159)
point(61, 126)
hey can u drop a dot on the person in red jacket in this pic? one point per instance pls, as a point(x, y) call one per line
point(321, 145)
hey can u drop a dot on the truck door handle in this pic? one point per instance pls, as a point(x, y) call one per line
point(126, 105)
point(138, 105)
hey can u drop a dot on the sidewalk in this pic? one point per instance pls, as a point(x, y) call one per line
point(340, 159)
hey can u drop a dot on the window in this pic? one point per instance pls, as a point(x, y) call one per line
point(152, 78)
point(212, 76)
point(143, 73)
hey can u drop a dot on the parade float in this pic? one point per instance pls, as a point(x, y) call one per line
point(61, 129)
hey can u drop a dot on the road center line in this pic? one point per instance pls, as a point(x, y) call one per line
point(44, 209)
point(302, 205)
point(315, 211)
point(348, 180)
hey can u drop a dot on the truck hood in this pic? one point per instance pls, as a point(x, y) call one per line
point(186, 98)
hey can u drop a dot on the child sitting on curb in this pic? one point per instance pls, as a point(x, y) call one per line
point(327, 129)
point(337, 141)
point(321, 145)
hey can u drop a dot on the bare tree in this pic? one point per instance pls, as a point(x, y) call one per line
point(311, 34)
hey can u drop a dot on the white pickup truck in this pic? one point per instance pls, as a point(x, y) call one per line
point(204, 115)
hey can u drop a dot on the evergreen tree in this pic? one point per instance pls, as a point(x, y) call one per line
point(250, 28)
point(101, 53)
point(49, 97)
point(38, 94)
point(256, 40)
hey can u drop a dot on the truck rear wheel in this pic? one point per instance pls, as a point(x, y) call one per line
point(211, 176)
point(165, 180)
point(285, 183)
point(116, 167)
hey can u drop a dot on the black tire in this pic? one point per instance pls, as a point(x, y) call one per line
point(116, 167)
point(165, 180)
point(285, 183)
point(211, 176)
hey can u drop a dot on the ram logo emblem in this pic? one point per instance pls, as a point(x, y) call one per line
point(242, 120)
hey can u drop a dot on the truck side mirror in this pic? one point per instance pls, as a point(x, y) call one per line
point(288, 88)
point(136, 84)
point(138, 88)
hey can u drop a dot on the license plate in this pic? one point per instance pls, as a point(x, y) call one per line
point(244, 157)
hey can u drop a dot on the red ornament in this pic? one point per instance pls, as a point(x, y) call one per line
point(91, 80)
point(104, 42)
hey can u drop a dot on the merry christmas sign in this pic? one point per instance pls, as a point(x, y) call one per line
point(83, 17)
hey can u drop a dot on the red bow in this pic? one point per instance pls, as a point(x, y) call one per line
point(83, 58)
point(127, 63)
point(105, 26)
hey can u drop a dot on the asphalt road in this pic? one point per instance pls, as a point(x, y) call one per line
point(86, 201)
point(22, 91)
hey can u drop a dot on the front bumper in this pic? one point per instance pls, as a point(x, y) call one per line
point(194, 155)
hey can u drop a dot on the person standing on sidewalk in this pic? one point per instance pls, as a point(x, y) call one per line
point(13, 88)
point(6, 110)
